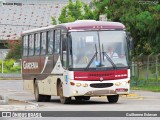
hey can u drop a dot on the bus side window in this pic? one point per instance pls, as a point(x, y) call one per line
point(64, 50)
point(37, 44)
point(70, 50)
point(57, 42)
point(50, 42)
point(31, 44)
point(25, 45)
point(43, 43)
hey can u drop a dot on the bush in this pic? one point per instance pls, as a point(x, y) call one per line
point(8, 67)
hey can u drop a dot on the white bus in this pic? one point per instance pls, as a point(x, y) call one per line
point(80, 59)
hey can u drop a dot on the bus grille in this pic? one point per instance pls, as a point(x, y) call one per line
point(101, 85)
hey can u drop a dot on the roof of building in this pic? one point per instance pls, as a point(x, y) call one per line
point(21, 15)
point(16, 19)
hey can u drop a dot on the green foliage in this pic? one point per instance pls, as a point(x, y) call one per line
point(16, 69)
point(15, 50)
point(75, 11)
point(8, 66)
point(141, 19)
point(152, 88)
point(54, 22)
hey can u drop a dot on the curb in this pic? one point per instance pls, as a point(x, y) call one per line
point(19, 107)
point(130, 95)
point(3, 100)
point(7, 78)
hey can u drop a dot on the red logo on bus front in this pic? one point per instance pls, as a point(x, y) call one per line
point(101, 75)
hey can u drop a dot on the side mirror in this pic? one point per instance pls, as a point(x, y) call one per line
point(129, 41)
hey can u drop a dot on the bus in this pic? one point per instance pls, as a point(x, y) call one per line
point(71, 60)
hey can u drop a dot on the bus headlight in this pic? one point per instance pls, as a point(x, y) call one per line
point(85, 85)
point(117, 83)
point(124, 83)
point(78, 84)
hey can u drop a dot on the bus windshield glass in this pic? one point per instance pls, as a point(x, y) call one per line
point(98, 49)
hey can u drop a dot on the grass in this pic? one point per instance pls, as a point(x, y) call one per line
point(152, 88)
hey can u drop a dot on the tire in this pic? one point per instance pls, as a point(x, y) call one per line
point(113, 98)
point(39, 97)
point(80, 98)
point(86, 97)
point(63, 100)
point(47, 98)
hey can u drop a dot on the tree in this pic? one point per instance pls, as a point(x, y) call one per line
point(75, 11)
point(54, 22)
point(15, 51)
point(141, 19)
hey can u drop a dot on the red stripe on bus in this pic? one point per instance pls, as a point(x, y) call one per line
point(101, 75)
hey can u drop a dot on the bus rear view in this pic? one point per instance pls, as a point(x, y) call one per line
point(92, 61)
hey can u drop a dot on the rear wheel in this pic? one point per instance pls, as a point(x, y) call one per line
point(63, 100)
point(39, 97)
point(113, 98)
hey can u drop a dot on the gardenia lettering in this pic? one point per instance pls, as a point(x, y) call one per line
point(30, 65)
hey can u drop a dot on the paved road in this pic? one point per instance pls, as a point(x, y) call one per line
point(138, 101)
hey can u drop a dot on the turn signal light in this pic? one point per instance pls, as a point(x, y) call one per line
point(72, 83)
point(128, 81)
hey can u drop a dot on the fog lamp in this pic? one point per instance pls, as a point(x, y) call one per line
point(75, 91)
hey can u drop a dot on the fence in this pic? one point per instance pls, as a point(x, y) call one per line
point(145, 70)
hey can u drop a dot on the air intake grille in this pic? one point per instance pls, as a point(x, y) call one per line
point(101, 85)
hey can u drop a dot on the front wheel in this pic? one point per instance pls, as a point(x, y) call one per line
point(63, 100)
point(39, 97)
point(113, 98)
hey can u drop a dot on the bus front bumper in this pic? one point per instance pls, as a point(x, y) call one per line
point(106, 92)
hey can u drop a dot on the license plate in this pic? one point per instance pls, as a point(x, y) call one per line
point(121, 90)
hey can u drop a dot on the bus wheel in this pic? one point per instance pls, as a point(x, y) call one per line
point(47, 98)
point(39, 97)
point(113, 98)
point(63, 100)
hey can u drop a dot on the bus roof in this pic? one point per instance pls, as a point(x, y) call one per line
point(83, 25)
point(92, 24)
point(38, 29)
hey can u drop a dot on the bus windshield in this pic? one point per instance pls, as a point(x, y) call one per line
point(98, 49)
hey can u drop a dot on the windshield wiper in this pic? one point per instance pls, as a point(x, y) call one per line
point(108, 58)
point(95, 55)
